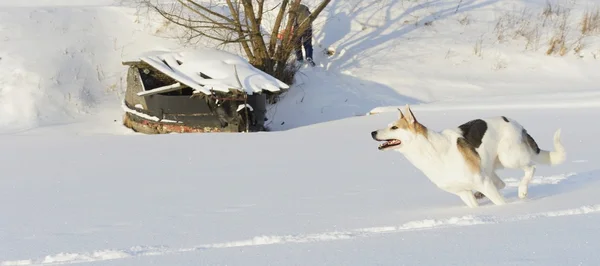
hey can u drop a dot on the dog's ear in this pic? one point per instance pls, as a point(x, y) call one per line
point(410, 117)
point(401, 114)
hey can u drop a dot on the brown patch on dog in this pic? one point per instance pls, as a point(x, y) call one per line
point(530, 141)
point(470, 154)
point(415, 127)
point(420, 129)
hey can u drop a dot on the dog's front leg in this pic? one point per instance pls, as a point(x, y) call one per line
point(492, 192)
point(468, 198)
point(497, 182)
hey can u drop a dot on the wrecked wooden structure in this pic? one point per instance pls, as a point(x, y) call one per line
point(201, 90)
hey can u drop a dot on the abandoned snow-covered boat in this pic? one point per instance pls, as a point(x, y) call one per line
point(200, 90)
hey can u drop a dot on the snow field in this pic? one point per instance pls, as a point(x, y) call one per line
point(78, 188)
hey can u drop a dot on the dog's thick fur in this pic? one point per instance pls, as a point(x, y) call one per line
point(465, 159)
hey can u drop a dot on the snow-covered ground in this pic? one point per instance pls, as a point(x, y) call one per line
point(77, 187)
point(318, 195)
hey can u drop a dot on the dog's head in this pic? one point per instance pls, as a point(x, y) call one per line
point(400, 133)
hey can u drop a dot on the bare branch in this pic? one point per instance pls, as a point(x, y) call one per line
point(222, 24)
point(236, 16)
point(289, 37)
point(199, 6)
point(257, 40)
point(261, 4)
point(178, 20)
point(275, 31)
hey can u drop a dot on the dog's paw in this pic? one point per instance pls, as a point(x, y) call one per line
point(478, 195)
point(522, 192)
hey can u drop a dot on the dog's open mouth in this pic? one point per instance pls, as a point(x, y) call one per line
point(390, 143)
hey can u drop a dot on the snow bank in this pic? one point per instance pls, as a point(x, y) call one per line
point(53, 69)
point(61, 64)
point(452, 49)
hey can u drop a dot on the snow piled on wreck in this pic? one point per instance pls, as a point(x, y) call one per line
point(207, 70)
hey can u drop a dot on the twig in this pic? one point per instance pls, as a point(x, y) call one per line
point(237, 77)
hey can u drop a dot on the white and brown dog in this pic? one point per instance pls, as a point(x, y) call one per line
point(465, 159)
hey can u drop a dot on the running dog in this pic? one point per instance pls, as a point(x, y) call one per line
point(465, 159)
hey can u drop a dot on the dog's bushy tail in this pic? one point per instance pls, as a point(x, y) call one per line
point(555, 157)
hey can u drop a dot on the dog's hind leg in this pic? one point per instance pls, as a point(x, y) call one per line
point(497, 181)
point(523, 186)
point(468, 198)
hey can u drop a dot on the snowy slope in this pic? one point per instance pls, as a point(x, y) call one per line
point(393, 51)
point(62, 63)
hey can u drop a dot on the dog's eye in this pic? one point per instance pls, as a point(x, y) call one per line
point(394, 127)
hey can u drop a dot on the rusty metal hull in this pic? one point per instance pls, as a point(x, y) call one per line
point(142, 125)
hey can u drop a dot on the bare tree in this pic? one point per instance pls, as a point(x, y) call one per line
point(241, 22)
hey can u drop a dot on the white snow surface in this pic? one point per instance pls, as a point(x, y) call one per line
point(79, 188)
point(317, 202)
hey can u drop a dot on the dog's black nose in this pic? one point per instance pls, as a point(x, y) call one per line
point(373, 134)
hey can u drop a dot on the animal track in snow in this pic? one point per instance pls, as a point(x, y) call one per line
point(427, 224)
point(539, 180)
